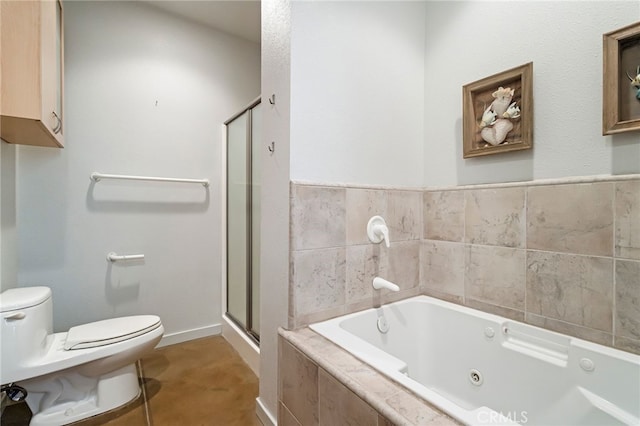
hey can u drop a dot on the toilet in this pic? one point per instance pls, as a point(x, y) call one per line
point(70, 376)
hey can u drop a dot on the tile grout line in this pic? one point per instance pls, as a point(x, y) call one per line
point(465, 193)
point(525, 215)
point(615, 262)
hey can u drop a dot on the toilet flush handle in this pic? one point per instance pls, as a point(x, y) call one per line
point(15, 316)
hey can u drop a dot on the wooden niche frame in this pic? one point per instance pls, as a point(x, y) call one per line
point(478, 97)
point(621, 64)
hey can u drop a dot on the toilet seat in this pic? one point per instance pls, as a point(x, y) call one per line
point(106, 332)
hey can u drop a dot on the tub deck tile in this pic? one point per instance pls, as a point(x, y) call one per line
point(393, 402)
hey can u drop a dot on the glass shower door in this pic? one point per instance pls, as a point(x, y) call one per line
point(256, 128)
point(237, 219)
point(243, 220)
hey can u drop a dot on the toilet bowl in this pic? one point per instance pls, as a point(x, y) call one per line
point(70, 376)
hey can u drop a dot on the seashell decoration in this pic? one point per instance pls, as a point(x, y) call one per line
point(495, 130)
point(502, 100)
point(512, 112)
point(488, 118)
point(498, 133)
point(635, 82)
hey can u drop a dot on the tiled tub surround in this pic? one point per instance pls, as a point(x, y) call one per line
point(324, 385)
point(332, 261)
point(563, 255)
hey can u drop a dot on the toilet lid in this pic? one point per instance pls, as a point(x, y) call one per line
point(109, 331)
point(23, 298)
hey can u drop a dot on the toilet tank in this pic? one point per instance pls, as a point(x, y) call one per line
point(27, 322)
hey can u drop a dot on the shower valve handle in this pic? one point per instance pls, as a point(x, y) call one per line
point(377, 230)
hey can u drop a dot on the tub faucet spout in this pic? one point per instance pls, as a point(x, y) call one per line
point(380, 283)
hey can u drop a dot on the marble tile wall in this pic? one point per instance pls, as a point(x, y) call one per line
point(565, 257)
point(309, 395)
point(560, 256)
point(332, 261)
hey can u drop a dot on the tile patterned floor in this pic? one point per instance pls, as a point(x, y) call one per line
point(202, 382)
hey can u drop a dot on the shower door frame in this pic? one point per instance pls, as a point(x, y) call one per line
point(246, 328)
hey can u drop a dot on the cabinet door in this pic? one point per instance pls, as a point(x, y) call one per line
point(51, 72)
point(31, 100)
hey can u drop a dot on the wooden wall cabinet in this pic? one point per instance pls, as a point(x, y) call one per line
point(31, 72)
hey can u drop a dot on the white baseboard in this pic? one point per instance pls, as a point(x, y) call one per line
point(265, 416)
point(195, 333)
point(247, 348)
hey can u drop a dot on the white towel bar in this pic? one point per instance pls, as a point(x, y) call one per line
point(95, 176)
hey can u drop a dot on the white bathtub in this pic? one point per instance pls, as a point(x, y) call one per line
point(484, 369)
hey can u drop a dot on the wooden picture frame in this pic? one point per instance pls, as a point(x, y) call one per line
point(620, 106)
point(485, 98)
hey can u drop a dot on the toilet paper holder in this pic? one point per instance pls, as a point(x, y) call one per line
point(113, 257)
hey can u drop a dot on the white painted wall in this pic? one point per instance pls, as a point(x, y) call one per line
point(274, 225)
point(376, 89)
point(146, 94)
point(467, 41)
point(8, 232)
point(357, 78)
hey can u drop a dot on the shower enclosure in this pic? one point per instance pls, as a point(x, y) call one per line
point(243, 219)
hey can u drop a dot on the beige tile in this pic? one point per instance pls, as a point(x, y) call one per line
point(404, 215)
point(360, 306)
point(627, 211)
point(442, 267)
point(318, 279)
point(569, 329)
point(362, 204)
point(443, 215)
point(383, 421)
point(443, 296)
point(363, 264)
point(303, 320)
point(285, 418)
point(325, 352)
point(495, 217)
point(394, 296)
point(496, 310)
point(401, 264)
point(575, 218)
point(373, 381)
point(495, 275)
point(338, 358)
point(368, 384)
point(629, 345)
point(298, 383)
point(627, 278)
point(339, 406)
point(571, 288)
point(416, 411)
point(317, 217)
